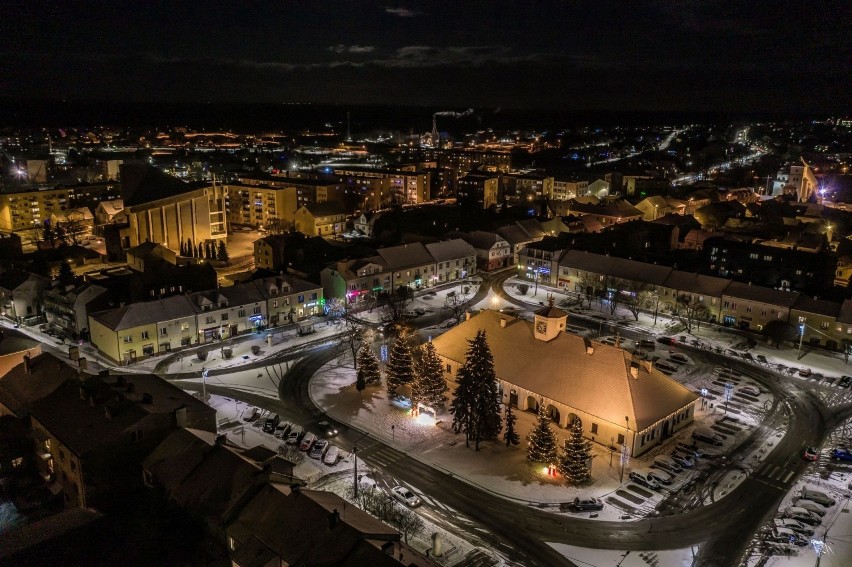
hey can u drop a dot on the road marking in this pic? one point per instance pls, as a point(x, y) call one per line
point(787, 477)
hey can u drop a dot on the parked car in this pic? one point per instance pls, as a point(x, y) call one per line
point(682, 460)
point(805, 372)
point(644, 480)
point(785, 535)
point(251, 414)
point(405, 496)
point(761, 359)
point(810, 506)
point(811, 454)
point(841, 455)
point(282, 429)
point(802, 515)
point(660, 476)
point(646, 344)
point(679, 358)
point(666, 367)
point(845, 381)
point(307, 442)
point(794, 525)
point(271, 423)
point(327, 429)
point(583, 503)
point(318, 449)
point(666, 341)
point(691, 450)
point(749, 391)
point(818, 496)
point(707, 436)
point(332, 455)
point(667, 464)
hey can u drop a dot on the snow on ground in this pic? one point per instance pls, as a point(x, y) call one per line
point(584, 557)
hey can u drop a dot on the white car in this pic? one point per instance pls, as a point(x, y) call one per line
point(295, 435)
point(749, 391)
point(660, 476)
point(318, 449)
point(810, 506)
point(331, 456)
point(405, 496)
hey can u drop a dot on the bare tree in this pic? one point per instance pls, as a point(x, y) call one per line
point(636, 296)
point(456, 302)
point(33, 236)
point(590, 283)
point(690, 311)
point(73, 226)
point(395, 304)
point(350, 337)
point(407, 522)
point(278, 226)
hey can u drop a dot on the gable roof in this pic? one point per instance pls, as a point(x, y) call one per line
point(452, 249)
point(146, 313)
point(142, 183)
point(481, 239)
point(599, 383)
point(615, 267)
point(696, 283)
point(405, 255)
point(514, 234)
point(325, 209)
point(262, 521)
point(112, 207)
point(19, 389)
point(817, 306)
point(762, 294)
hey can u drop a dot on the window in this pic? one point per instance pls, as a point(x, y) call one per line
point(257, 309)
point(450, 368)
point(148, 350)
point(128, 338)
point(184, 326)
point(620, 439)
point(241, 313)
point(144, 334)
point(594, 429)
point(224, 316)
point(164, 332)
point(824, 325)
point(211, 320)
point(314, 296)
point(302, 297)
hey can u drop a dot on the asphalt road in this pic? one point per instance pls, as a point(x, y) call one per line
point(724, 529)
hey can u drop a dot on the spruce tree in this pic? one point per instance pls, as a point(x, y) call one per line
point(575, 455)
point(66, 274)
point(511, 436)
point(542, 440)
point(222, 254)
point(190, 249)
point(400, 368)
point(476, 406)
point(199, 251)
point(429, 384)
point(368, 367)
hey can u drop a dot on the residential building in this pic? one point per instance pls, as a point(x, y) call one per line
point(82, 217)
point(110, 212)
point(256, 201)
point(492, 250)
point(752, 307)
point(290, 299)
point(408, 186)
point(321, 219)
point(607, 275)
point(520, 234)
point(528, 186)
point(34, 376)
point(144, 329)
point(539, 262)
point(566, 188)
point(21, 296)
point(229, 311)
point(707, 290)
point(25, 209)
point(408, 265)
point(67, 307)
point(478, 190)
point(454, 260)
point(149, 255)
point(541, 367)
point(365, 223)
point(654, 207)
point(607, 214)
point(357, 280)
point(91, 435)
point(816, 321)
point(269, 252)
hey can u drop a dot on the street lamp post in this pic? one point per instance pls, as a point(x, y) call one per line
point(535, 272)
point(656, 305)
point(801, 338)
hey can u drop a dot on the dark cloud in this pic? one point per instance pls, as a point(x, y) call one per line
point(403, 12)
point(340, 48)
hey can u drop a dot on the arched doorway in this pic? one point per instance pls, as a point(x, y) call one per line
point(532, 404)
point(553, 413)
point(571, 418)
point(513, 398)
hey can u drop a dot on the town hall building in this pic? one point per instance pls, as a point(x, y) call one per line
point(617, 399)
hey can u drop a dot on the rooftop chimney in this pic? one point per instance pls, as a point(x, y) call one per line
point(333, 519)
point(28, 368)
point(503, 322)
point(221, 440)
point(634, 371)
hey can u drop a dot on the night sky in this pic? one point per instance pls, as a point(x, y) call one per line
point(678, 55)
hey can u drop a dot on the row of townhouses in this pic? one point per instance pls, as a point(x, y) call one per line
point(736, 304)
point(414, 265)
point(155, 327)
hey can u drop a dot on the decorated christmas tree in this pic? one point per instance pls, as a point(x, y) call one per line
point(511, 436)
point(573, 462)
point(429, 384)
point(476, 406)
point(542, 447)
point(400, 368)
point(368, 367)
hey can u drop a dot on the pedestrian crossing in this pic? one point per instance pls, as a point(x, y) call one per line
point(775, 474)
point(380, 455)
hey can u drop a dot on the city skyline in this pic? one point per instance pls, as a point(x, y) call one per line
point(704, 57)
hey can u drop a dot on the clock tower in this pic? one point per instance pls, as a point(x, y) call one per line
point(549, 321)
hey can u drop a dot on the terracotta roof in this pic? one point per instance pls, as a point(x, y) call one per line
point(405, 255)
point(599, 384)
point(454, 249)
